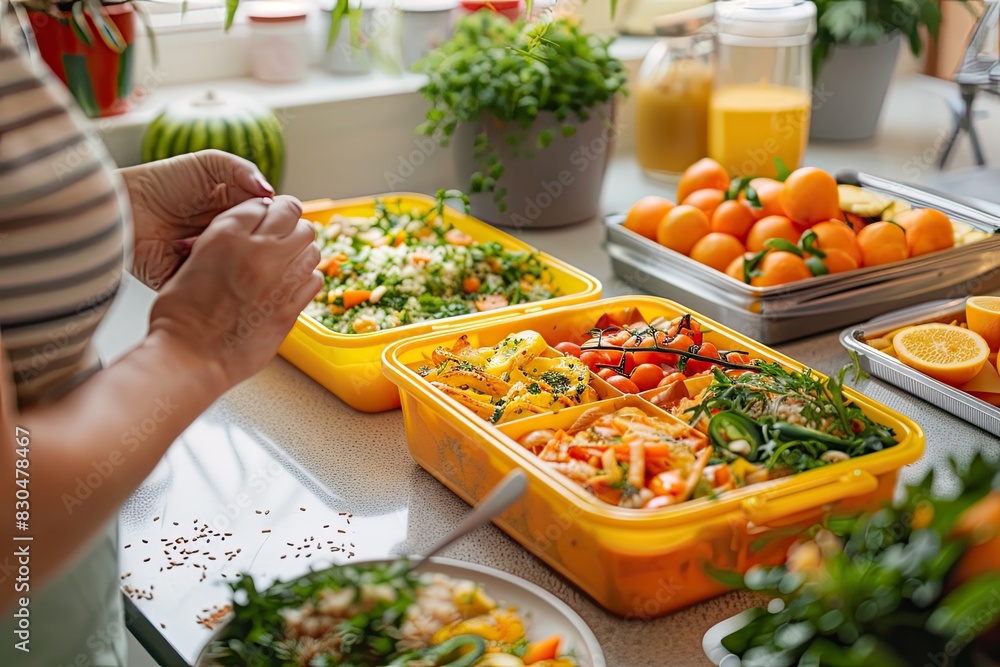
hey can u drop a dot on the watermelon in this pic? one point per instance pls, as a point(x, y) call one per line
point(228, 122)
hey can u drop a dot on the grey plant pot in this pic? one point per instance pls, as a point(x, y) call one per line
point(850, 89)
point(546, 187)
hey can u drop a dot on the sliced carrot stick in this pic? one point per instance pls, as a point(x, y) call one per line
point(353, 297)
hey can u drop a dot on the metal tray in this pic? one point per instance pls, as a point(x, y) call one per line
point(892, 370)
point(786, 312)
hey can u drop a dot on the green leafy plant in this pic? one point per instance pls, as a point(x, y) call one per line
point(514, 71)
point(856, 22)
point(889, 588)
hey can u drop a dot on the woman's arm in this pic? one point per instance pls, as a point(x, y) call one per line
point(89, 450)
point(257, 258)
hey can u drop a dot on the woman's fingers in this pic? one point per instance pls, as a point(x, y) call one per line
point(245, 217)
point(282, 217)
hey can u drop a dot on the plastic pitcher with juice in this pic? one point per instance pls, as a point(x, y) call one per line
point(752, 124)
point(762, 98)
point(672, 94)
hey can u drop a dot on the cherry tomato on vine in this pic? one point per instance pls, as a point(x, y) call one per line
point(569, 349)
point(646, 376)
point(623, 384)
point(607, 373)
point(671, 378)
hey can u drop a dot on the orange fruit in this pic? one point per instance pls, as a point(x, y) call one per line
point(882, 243)
point(682, 227)
point(835, 234)
point(734, 218)
point(927, 230)
point(705, 173)
point(735, 268)
point(717, 250)
point(645, 215)
point(772, 227)
point(707, 199)
point(769, 193)
point(810, 196)
point(982, 314)
point(980, 525)
point(945, 352)
point(779, 267)
point(838, 261)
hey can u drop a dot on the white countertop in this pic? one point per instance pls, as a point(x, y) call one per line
point(280, 442)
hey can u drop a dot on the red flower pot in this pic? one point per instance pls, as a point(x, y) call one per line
point(99, 78)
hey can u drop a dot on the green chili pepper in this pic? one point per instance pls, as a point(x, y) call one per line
point(731, 426)
point(475, 648)
point(788, 431)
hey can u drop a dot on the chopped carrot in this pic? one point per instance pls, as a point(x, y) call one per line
point(330, 266)
point(420, 258)
point(353, 297)
point(471, 284)
point(456, 236)
point(547, 649)
point(722, 475)
point(491, 302)
point(601, 486)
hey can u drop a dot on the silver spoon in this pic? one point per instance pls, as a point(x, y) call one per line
point(503, 495)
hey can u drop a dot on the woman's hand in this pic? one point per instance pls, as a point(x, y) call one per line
point(236, 297)
point(173, 201)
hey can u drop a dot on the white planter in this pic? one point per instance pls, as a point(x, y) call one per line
point(546, 187)
point(850, 89)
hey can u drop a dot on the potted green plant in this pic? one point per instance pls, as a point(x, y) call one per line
point(89, 45)
point(854, 54)
point(528, 107)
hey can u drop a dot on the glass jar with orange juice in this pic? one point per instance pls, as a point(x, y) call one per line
point(762, 97)
point(672, 94)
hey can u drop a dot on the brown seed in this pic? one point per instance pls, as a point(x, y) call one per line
point(285, 556)
point(176, 524)
point(156, 518)
point(302, 509)
point(343, 532)
point(128, 546)
point(145, 541)
point(163, 625)
point(266, 531)
point(326, 525)
point(146, 560)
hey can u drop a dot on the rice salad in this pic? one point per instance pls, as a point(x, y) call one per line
point(392, 269)
point(376, 615)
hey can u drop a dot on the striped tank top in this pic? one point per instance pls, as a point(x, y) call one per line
point(64, 231)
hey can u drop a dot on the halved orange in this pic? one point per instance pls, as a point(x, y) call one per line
point(983, 316)
point(945, 352)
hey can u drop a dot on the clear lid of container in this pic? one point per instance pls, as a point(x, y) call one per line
point(765, 22)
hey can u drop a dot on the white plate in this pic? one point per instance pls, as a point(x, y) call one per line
point(544, 614)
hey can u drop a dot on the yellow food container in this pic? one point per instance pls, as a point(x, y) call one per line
point(349, 365)
point(637, 563)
